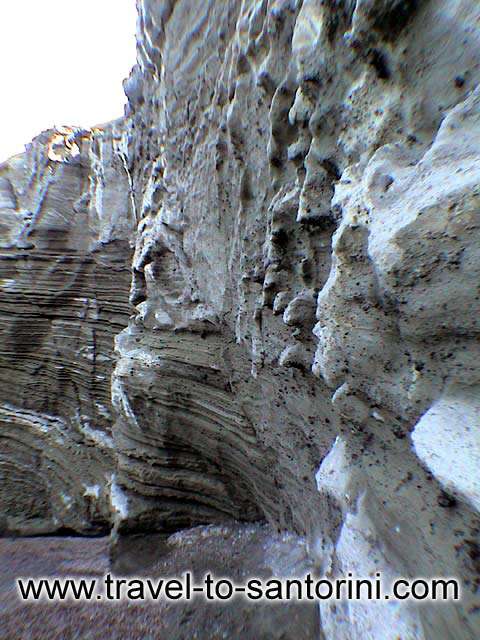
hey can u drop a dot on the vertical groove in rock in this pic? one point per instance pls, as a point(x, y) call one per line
point(305, 178)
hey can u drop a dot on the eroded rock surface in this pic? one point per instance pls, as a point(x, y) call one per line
point(303, 345)
point(66, 230)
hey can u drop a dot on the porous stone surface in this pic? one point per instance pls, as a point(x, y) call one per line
point(303, 345)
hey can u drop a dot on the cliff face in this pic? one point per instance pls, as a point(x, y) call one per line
point(66, 222)
point(305, 295)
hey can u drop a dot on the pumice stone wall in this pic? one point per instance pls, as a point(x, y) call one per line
point(257, 296)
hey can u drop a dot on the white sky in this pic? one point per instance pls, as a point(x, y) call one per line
point(62, 62)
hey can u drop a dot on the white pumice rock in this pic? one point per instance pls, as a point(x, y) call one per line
point(291, 205)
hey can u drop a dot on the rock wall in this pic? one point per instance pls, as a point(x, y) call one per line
point(305, 292)
point(66, 225)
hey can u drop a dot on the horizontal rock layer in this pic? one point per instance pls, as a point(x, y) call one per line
point(66, 223)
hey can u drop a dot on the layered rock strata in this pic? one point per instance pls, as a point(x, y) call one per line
point(306, 176)
point(66, 228)
point(303, 345)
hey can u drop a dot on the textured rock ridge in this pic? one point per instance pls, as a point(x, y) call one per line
point(306, 178)
point(303, 345)
point(67, 223)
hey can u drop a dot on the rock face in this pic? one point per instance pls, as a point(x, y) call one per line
point(66, 225)
point(303, 178)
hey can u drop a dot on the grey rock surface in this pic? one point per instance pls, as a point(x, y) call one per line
point(301, 181)
point(66, 231)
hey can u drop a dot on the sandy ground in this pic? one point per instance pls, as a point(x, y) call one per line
point(234, 551)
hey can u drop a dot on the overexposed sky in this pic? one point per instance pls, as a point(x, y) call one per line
point(62, 62)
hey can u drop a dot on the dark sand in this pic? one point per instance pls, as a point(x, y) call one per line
point(237, 552)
